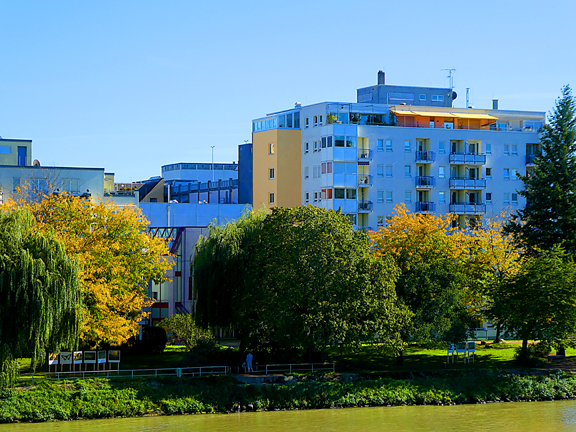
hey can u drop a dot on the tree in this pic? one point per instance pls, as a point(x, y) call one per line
point(550, 188)
point(39, 291)
point(435, 275)
point(117, 260)
point(298, 278)
point(184, 328)
point(540, 301)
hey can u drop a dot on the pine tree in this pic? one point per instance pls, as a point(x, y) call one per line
point(549, 217)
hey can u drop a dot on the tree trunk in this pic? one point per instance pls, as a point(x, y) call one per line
point(498, 330)
point(400, 359)
point(524, 346)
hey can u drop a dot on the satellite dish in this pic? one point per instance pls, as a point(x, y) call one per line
point(454, 95)
point(36, 163)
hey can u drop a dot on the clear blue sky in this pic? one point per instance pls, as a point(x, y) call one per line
point(132, 85)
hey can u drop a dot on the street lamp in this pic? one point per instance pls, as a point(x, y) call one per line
point(212, 163)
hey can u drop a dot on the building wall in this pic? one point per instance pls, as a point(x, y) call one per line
point(285, 160)
point(181, 215)
point(48, 179)
point(9, 151)
point(200, 172)
point(245, 173)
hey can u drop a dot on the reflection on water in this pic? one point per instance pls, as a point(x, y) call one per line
point(510, 417)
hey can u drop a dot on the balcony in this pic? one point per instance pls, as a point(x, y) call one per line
point(530, 160)
point(364, 180)
point(364, 155)
point(425, 156)
point(467, 158)
point(425, 207)
point(467, 208)
point(467, 183)
point(364, 206)
point(425, 182)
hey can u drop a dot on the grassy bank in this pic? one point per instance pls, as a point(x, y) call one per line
point(102, 398)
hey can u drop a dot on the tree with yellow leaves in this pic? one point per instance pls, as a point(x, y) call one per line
point(117, 260)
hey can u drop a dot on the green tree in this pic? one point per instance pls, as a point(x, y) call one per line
point(185, 329)
point(540, 301)
point(316, 282)
point(39, 291)
point(550, 188)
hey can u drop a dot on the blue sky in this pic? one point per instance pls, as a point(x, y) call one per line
point(132, 85)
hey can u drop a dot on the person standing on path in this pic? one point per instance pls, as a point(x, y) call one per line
point(249, 363)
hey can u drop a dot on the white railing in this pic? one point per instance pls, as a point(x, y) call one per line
point(131, 373)
point(299, 367)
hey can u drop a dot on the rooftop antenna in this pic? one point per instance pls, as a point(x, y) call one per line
point(450, 77)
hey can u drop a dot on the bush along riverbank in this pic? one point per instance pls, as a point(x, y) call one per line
point(91, 399)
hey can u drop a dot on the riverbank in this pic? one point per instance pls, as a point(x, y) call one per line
point(101, 398)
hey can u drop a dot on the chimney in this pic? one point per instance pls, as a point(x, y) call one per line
point(494, 104)
point(381, 78)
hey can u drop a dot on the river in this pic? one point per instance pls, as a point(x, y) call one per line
point(509, 417)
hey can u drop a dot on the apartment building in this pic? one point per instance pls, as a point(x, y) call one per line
point(396, 144)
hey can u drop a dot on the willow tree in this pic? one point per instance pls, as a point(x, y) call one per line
point(39, 291)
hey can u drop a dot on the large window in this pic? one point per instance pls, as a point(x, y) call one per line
point(345, 141)
point(345, 168)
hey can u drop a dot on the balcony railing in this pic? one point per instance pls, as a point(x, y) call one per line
point(467, 208)
point(364, 206)
point(425, 182)
point(467, 158)
point(425, 207)
point(530, 159)
point(425, 156)
point(364, 154)
point(364, 180)
point(467, 183)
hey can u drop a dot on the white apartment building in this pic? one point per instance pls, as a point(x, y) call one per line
point(367, 157)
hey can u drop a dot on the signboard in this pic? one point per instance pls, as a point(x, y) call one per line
point(114, 356)
point(101, 356)
point(66, 358)
point(77, 357)
point(90, 357)
point(52, 359)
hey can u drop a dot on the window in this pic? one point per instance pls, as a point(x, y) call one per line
point(380, 196)
point(307, 198)
point(422, 97)
point(306, 148)
point(437, 98)
point(514, 199)
point(339, 193)
point(514, 149)
point(380, 220)
point(315, 121)
point(388, 196)
point(506, 173)
point(324, 142)
point(328, 167)
point(488, 148)
point(488, 173)
point(407, 146)
point(388, 145)
point(315, 196)
point(507, 149)
point(515, 174)
point(408, 196)
point(320, 120)
point(306, 122)
point(271, 173)
point(15, 184)
point(506, 198)
point(488, 198)
point(323, 167)
point(306, 172)
point(442, 197)
point(407, 171)
point(326, 193)
point(5, 150)
point(352, 218)
point(315, 146)
point(380, 145)
point(329, 142)
point(339, 141)
point(380, 170)
point(441, 147)
point(441, 172)
point(389, 171)
point(271, 198)
point(271, 148)
point(351, 193)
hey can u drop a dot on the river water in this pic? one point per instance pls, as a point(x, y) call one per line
point(509, 417)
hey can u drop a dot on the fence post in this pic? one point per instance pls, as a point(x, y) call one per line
point(312, 367)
